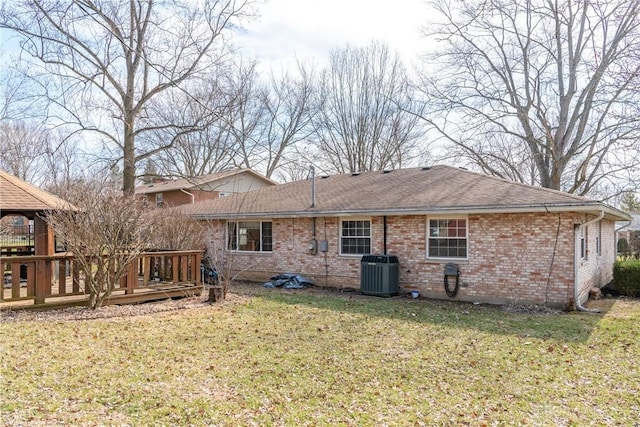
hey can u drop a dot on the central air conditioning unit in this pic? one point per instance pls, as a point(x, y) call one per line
point(379, 275)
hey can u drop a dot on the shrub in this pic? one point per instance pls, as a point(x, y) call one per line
point(626, 277)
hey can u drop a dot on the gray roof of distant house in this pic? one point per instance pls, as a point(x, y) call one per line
point(435, 190)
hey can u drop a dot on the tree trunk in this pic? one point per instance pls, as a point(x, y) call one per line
point(129, 158)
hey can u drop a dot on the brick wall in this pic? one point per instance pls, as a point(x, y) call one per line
point(596, 270)
point(519, 258)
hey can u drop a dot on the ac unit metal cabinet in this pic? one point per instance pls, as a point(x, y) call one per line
point(379, 275)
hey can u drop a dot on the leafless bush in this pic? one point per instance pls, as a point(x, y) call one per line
point(105, 234)
point(173, 230)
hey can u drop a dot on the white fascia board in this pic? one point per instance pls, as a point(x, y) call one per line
point(594, 208)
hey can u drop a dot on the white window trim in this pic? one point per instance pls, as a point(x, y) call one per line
point(427, 236)
point(159, 200)
point(238, 237)
point(342, 219)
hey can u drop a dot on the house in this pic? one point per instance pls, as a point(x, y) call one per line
point(629, 236)
point(512, 243)
point(174, 192)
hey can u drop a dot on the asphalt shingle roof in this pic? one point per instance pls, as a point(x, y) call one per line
point(415, 190)
point(18, 195)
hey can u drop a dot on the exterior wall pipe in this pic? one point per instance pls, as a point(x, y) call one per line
point(312, 171)
point(384, 234)
point(193, 198)
point(576, 284)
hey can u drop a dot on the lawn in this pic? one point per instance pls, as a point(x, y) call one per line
point(277, 357)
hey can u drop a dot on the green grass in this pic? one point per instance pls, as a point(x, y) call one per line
point(298, 358)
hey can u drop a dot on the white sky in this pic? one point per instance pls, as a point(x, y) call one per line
point(309, 29)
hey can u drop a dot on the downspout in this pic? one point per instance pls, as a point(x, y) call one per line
point(313, 247)
point(576, 292)
point(193, 198)
point(312, 171)
point(384, 234)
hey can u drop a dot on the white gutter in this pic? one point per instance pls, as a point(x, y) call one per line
point(593, 208)
point(576, 284)
point(193, 198)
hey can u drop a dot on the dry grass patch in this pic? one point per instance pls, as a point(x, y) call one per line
point(279, 357)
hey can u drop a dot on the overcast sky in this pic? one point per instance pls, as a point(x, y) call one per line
point(309, 29)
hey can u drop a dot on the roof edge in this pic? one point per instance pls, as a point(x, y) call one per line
point(594, 208)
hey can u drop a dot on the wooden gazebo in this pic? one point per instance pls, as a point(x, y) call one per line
point(18, 197)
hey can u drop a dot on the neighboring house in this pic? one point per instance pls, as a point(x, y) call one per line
point(629, 236)
point(175, 192)
point(513, 243)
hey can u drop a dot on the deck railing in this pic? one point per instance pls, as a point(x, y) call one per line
point(41, 278)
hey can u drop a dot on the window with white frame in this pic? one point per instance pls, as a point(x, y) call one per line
point(251, 236)
point(159, 200)
point(599, 238)
point(447, 238)
point(355, 237)
point(583, 242)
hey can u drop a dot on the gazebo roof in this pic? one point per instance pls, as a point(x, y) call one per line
point(18, 196)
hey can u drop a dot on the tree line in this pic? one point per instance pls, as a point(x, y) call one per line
point(541, 92)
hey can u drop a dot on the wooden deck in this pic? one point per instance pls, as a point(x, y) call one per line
point(47, 282)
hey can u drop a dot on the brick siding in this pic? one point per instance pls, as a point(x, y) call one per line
point(512, 258)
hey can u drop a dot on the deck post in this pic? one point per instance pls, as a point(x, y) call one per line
point(41, 281)
point(184, 268)
point(62, 276)
point(195, 269)
point(175, 269)
point(15, 280)
point(75, 273)
point(31, 278)
point(132, 276)
point(146, 270)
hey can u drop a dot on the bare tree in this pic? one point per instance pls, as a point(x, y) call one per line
point(543, 92)
point(105, 235)
point(246, 112)
point(16, 98)
point(112, 58)
point(288, 103)
point(22, 145)
point(202, 149)
point(362, 121)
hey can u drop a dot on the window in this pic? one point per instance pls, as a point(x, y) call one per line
point(599, 238)
point(252, 236)
point(447, 238)
point(159, 200)
point(355, 237)
point(583, 242)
